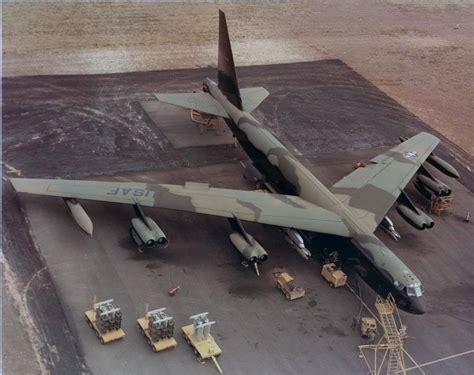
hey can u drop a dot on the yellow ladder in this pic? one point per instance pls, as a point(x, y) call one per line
point(395, 360)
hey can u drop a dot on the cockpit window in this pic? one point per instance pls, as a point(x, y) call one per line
point(412, 290)
point(415, 290)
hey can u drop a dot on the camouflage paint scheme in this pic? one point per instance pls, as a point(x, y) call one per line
point(361, 199)
point(353, 208)
point(259, 207)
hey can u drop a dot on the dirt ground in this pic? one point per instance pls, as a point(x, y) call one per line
point(420, 55)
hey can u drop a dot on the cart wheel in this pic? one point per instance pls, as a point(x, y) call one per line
point(287, 296)
point(153, 347)
point(102, 341)
point(200, 359)
point(97, 333)
point(278, 286)
point(186, 338)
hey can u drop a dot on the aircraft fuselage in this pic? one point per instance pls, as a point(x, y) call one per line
point(379, 267)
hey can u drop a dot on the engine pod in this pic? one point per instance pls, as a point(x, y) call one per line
point(252, 251)
point(437, 187)
point(417, 219)
point(149, 233)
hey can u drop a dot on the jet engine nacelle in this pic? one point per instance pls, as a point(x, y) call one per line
point(437, 187)
point(147, 234)
point(253, 252)
point(417, 219)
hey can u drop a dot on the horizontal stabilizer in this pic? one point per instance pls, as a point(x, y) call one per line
point(252, 97)
point(199, 101)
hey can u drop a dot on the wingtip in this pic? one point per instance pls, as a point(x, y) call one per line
point(16, 182)
point(429, 135)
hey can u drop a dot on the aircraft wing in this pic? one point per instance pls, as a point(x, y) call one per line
point(273, 209)
point(371, 191)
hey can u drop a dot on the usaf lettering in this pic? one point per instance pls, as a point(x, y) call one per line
point(129, 192)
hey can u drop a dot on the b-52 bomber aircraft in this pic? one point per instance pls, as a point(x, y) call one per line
point(296, 200)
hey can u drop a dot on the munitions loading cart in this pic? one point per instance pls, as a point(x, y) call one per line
point(198, 335)
point(158, 328)
point(106, 321)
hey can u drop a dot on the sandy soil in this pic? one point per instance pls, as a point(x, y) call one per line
point(420, 55)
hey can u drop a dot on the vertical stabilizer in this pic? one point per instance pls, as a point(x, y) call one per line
point(227, 78)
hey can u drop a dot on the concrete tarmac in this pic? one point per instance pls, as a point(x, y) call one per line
point(94, 127)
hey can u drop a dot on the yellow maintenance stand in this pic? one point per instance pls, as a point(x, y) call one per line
point(158, 329)
point(198, 335)
point(387, 356)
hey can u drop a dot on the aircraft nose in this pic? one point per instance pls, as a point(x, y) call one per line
point(418, 305)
